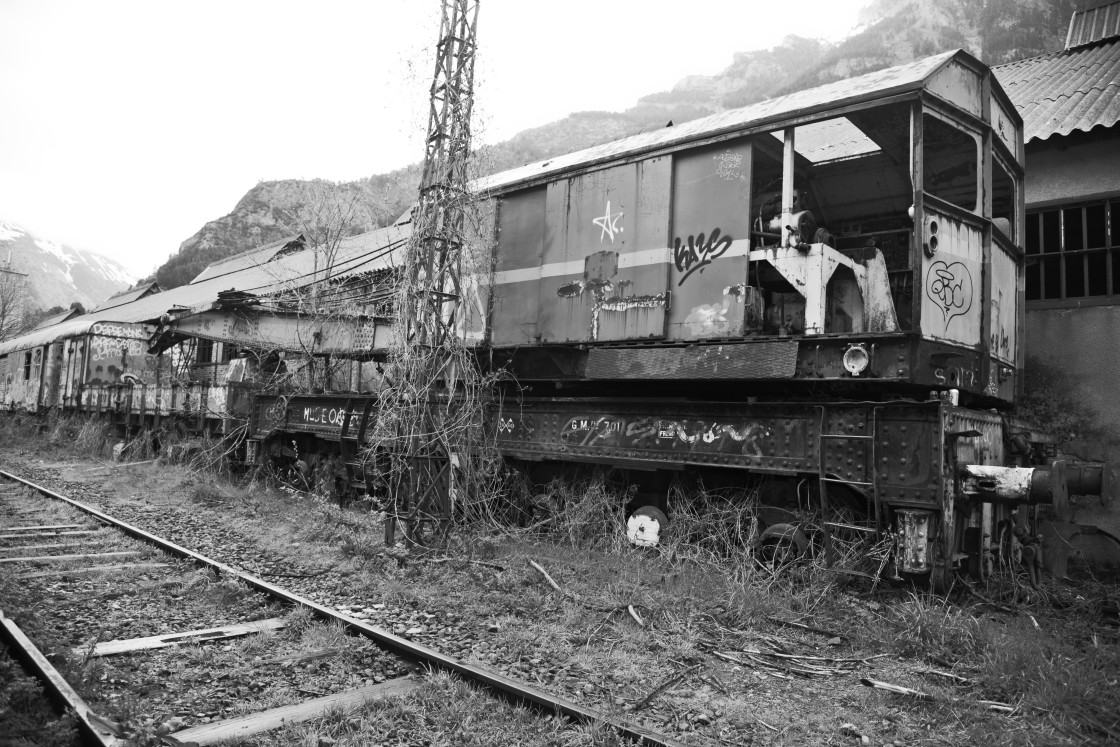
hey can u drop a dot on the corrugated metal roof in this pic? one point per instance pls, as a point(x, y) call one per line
point(249, 258)
point(900, 79)
point(37, 337)
point(128, 296)
point(1061, 92)
point(1093, 24)
point(358, 254)
point(54, 319)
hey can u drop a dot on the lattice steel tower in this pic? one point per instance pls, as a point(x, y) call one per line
point(432, 282)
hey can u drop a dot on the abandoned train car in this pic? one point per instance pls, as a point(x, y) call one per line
point(817, 298)
point(822, 291)
point(123, 363)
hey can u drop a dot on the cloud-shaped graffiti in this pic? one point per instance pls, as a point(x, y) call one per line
point(950, 287)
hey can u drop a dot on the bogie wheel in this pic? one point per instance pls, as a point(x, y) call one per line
point(645, 526)
point(781, 544)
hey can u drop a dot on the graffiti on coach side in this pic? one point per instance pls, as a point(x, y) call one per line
point(117, 329)
point(746, 438)
point(330, 416)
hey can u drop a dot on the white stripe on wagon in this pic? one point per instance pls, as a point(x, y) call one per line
point(643, 258)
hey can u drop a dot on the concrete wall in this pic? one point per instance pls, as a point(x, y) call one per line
point(1082, 166)
point(1084, 344)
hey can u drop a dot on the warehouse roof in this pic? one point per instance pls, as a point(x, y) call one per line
point(1093, 24)
point(1062, 92)
point(367, 252)
point(128, 296)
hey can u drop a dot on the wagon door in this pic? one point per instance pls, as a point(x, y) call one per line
point(712, 296)
point(606, 259)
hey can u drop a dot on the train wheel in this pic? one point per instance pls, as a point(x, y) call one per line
point(781, 544)
point(644, 527)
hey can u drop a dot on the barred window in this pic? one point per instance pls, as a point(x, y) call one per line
point(1073, 252)
point(205, 351)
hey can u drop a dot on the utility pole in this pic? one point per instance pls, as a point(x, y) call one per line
point(426, 369)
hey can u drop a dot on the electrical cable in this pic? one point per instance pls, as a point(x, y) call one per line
point(366, 258)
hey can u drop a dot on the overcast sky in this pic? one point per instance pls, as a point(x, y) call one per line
point(125, 126)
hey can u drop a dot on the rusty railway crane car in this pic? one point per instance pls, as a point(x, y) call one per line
point(819, 295)
point(822, 288)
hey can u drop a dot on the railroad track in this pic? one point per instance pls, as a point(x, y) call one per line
point(110, 591)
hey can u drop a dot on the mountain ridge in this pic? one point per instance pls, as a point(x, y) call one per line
point(59, 275)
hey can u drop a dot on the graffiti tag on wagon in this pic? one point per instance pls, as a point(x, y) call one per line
point(108, 348)
point(697, 252)
point(608, 223)
point(334, 416)
point(113, 329)
point(666, 434)
point(729, 166)
point(950, 287)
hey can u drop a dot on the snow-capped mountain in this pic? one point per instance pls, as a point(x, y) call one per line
point(58, 274)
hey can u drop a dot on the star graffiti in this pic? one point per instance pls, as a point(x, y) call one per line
point(609, 223)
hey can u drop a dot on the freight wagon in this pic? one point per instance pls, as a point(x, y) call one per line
point(145, 356)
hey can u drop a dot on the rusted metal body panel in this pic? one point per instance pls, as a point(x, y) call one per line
point(960, 85)
point(308, 335)
point(319, 415)
point(952, 275)
point(115, 349)
point(605, 266)
point(711, 209)
point(769, 437)
point(515, 305)
point(24, 376)
point(1007, 282)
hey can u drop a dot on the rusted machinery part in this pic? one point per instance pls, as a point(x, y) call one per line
point(511, 689)
point(1034, 485)
point(1032, 563)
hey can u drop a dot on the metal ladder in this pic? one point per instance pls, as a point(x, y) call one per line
point(823, 479)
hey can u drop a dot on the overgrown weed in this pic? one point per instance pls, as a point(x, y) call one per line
point(929, 626)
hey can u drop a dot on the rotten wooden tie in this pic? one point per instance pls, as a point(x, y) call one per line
point(92, 569)
point(61, 558)
point(109, 648)
point(274, 718)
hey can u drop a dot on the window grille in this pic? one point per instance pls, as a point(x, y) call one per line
point(1073, 252)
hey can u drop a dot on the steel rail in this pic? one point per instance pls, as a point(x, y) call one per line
point(509, 688)
point(59, 689)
